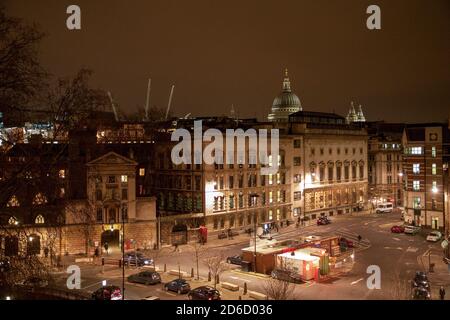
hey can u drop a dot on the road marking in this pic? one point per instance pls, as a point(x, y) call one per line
point(355, 282)
point(396, 239)
point(412, 249)
point(389, 248)
point(91, 285)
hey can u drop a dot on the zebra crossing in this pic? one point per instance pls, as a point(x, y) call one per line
point(363, 244)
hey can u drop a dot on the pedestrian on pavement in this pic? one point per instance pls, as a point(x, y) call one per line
point(359, 238)
point(176, 247)
point(106, 246)
point(442, 293)
point(96, 253)
point(46, 252)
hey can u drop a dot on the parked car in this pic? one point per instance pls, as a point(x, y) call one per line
point(286, 275)
point(107, 293)
point(386, 207)
point(398, 229)
point(421, 294)
point(35, 282)
point(346, 243)
point(151, 298)
point(237, 259)
point(137, 258)
point(204, 293)
point(178, 285)
point(421, 280)
point(411, 230)
point(312, 238)
point(222, 235)
point(323, 221)
point(434, 236)
point(145, 277)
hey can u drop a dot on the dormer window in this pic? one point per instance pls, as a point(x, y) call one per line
point(13, 221)
point(39, 219)
point(39, 199)
point(13, 202)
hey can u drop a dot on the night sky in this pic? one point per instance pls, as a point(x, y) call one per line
point(223, 52)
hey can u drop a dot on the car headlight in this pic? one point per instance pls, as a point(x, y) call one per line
point(146, 262)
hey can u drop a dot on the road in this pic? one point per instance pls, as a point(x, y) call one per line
point(397, 256)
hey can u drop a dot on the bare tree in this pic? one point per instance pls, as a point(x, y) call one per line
point(216, 265)
point(199, 251)
point(82, 218)
point(400, 288)
point(21, 75)
point(278, 289)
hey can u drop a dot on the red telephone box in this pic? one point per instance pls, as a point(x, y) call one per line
point(203, 234)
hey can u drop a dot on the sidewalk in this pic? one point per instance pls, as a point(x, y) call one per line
point(440, 275)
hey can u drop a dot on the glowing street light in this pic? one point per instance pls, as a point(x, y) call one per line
point(104, 283)
point(8, 298)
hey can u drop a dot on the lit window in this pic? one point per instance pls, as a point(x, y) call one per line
point(433, 168)
point(270, 215)
point(270, 197)
point(416, 185)
point(124, 178)
point(433, 152)
point(434, 187)
point(270, 179)
point(39, 199)
point(416, 168)
point(62, 173)
point(13, 221)
point(279, 196)
point(278, 178)
point(39, 219)
point(142, 172)
point(416, 150)
point(13, 202)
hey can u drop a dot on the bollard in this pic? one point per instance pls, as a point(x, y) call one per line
point(245, 288)
point(120, 263)
point(192, 272)
point(217, 279)
point(165, 267)
point(209, 276)
point(240, 298)
point(103, 261)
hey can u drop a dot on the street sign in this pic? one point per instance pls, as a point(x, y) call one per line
point(444, 244)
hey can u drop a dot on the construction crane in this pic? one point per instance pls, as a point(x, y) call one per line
point(170, 101)
point(147, 102)
point(116, 116)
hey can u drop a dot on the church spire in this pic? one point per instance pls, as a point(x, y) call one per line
point(286, 82)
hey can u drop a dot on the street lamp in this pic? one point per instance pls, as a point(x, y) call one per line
point(123, 251)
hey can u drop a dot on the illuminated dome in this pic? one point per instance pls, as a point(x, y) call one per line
point(285, 103)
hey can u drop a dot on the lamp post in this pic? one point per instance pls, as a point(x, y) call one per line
point(255, 199)
point(123, 251)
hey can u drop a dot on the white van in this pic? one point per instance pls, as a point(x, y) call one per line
point(386, 207)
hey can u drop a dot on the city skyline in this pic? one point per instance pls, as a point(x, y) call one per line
point(233, 54)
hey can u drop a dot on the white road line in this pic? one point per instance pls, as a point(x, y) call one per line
point(355, 282)
point(396, 239)
point(91, 285)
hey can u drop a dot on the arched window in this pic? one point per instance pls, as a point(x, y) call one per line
point(39, 219)
point(13, 221)
point(39, 199)
point(13, 202)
